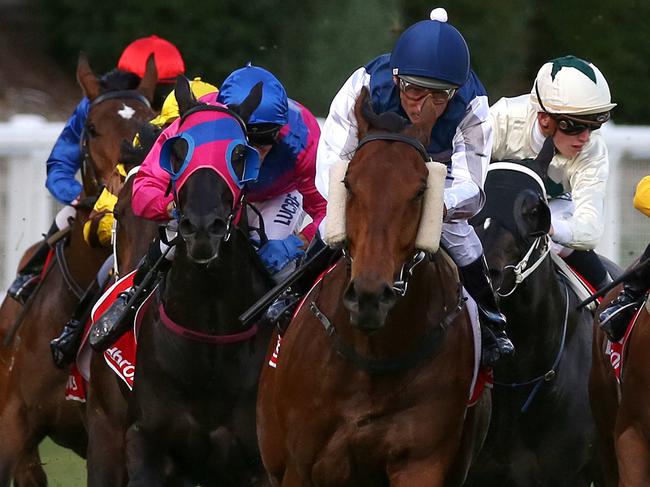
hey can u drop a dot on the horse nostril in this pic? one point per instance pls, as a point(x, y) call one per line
point(350, 295)
point(388, 295)
point(186, 227)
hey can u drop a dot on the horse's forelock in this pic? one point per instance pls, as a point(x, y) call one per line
point(117, 79)
point(386, 122)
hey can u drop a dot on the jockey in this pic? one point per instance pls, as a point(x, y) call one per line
point(431, 60)
point(615, 317)
point(98, 232)
point(286, 136)
point(65, 159)
point(569, 102)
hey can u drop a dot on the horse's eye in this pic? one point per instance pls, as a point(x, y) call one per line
point(420, 192)
point(91, 129)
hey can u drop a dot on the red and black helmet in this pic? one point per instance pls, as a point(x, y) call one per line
point(169, 61)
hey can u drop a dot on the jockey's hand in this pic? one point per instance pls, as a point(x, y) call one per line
point(171, 209)
point(276, 254)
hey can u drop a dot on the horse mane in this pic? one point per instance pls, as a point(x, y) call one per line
point(116, 79)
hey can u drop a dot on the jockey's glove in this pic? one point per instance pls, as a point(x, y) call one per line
point(276, 254)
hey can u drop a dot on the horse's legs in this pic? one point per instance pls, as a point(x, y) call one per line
point(145, 466)
point(633, 456)
point(430, 472)
point(292, 478)
point(13, 436)
point(106, 452)
point(29, 472)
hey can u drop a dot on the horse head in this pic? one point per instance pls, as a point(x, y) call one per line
point(515, 221)
point(386, 183)
point(209, 161)
point(119, 103)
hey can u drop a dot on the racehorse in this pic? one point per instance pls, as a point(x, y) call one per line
point(541, 431)
point(32, 403)
point(372, 379)
point(193, 398)
point(106, 403)
point(621, 409)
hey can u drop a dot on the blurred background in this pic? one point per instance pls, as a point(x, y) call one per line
point(312, 47)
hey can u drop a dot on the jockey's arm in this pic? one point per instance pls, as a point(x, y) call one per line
point(588, 180)
point(65, 158)
point(313, 202)
point(151, 183)
point(339, 137)
point(472, 145)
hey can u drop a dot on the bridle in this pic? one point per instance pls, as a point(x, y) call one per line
point(87, 164)
point(521, 270)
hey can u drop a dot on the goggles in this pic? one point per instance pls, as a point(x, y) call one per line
point(416, 92)
point(263, 134)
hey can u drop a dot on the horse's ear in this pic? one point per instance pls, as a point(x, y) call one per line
point(531, 214)
point(184, 95)
point(148, 84)
point(544, 158)
point(361, 107)
point(87, 79)
point(246, 108)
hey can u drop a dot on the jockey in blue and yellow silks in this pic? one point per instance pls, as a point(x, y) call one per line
point(65, 159)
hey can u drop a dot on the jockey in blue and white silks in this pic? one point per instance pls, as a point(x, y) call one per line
point(431, 61)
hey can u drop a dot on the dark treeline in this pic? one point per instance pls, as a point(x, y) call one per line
point(313, 46)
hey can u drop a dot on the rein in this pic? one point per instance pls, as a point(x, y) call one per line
point(550, 374)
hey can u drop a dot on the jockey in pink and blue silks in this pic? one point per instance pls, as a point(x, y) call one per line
point(65, 159)
point(285, 134)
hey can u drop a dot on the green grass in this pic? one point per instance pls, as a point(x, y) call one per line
point(63, 467)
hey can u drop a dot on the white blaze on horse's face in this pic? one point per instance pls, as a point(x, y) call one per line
point(126, 112)
point(486, 223)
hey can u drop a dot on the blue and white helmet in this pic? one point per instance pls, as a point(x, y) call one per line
point(431, 53)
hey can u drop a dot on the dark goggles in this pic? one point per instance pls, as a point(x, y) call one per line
point(574, 125)
point(263, 133)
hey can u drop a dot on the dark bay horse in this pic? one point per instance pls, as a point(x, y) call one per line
point(32, 403)
point(371, 389)
point(193, 400)
point(541, 432)
point(621, 410)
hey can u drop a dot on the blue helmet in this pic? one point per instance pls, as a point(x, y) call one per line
point(274, 107)
point(432, 54)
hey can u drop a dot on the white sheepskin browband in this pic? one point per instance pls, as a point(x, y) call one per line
point(428, 236)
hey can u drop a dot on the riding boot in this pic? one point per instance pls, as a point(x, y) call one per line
point(29, 276)
point(118, 318)
point(494, 341)
point(64, 348)
point(282, 309)
point(615, 318)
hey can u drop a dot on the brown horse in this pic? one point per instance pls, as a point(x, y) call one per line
point(371, 389)
point(106, 411)
point(32, 403)
point(621, 410)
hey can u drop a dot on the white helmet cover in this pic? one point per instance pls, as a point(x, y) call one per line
point(572, 86)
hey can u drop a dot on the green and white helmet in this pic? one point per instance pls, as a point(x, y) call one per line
point(571, 86)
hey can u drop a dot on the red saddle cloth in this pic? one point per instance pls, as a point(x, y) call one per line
point(616, 350)
point(120, 357)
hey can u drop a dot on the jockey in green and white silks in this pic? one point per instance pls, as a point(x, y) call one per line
point(431, 59)
point(569, 102)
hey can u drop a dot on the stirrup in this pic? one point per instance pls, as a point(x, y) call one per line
point(281, 310)
point(23, 286)
point(615, 324)
point(495, 345)
point(64, 348)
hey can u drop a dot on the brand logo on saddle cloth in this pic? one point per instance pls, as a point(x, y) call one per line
point(216, 140)
point(616, 350)
point(120, 357)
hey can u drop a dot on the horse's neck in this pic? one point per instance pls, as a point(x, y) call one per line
point(210, 298)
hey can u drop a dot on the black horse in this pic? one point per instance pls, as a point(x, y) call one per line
point(193, 401)
point(541, 430)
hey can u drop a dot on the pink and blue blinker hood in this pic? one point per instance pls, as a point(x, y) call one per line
point(212, 132)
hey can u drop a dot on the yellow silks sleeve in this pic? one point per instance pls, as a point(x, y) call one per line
point(97, 229)
point(169, 110)
point(642, 196)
